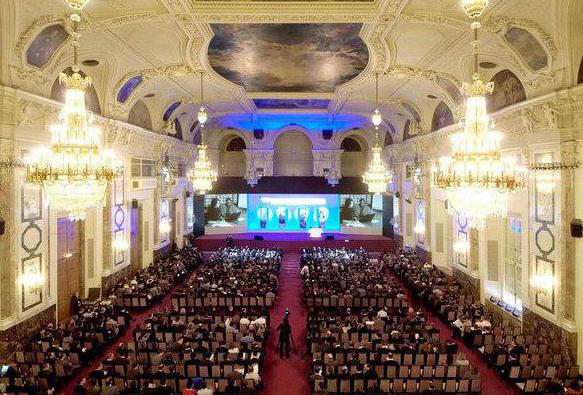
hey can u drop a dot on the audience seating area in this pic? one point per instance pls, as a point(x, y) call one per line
point(56, 353)
point(363, 336)
point(534, 363)
point(201, 340)
point(150, 284)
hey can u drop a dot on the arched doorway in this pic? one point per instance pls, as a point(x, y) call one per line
point(293, 155)
point(353, 159)
point(232, 157)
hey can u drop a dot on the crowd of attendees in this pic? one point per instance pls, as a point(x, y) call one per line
point(365, 338)
point(198, 349)
point(150, 284)
point(533, 361)
point(57, 351)
point(233, 271)
point(341, 272)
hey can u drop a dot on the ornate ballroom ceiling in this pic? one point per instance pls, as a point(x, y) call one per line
point(290, 57)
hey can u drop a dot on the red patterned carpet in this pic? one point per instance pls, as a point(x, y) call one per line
point(288, 376)
point(492, 382)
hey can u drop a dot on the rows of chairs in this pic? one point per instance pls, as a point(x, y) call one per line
point(355, 301)
point(335, 386)
point(182, 300)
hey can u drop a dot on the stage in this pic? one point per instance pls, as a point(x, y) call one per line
point(294, 242)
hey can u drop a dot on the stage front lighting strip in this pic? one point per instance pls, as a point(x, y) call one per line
point(296, 201)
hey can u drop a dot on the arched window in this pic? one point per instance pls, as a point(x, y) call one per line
point(353, 159)
point(293, 155)
point(350, 145)
point(232, 157)
point(508, 90)
point(140, 115)
point(388, 139)
point(91, 98)
point(178, 128)
point(236, 145)
point(442, 117)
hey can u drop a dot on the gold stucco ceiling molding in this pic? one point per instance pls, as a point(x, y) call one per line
point(122, 21)
point(166, 71)
point(283, 11)
point(436, 19)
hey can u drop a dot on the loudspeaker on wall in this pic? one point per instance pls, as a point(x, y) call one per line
point(258, 134)
point(327, 134)
point(577, 228)
point(2, 226)
point(135, 203)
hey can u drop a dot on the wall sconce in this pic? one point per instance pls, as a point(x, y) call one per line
point(419, 229)
point(461, 246)
point(32, 280)
point(543, 283)
point(165, 226)
point(121, 244)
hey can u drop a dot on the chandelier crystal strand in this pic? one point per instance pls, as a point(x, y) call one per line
point(202, 175)
point(476, 178)
point(376, 176)
point(74, 170)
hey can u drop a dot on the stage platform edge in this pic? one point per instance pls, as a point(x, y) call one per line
point(294, 242)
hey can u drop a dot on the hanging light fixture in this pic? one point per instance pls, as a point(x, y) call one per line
point(202, 175)
point(475, 8)
point(476, 178)
point(75, 170)
point(202, 115)
point(377, 177)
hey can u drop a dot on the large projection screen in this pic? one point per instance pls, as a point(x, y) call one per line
point(293, 213)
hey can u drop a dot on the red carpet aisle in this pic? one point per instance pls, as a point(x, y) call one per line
point(287, 376)
point(139, 318)
point(492, 382)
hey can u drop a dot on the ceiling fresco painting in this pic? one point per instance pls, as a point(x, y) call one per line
point(528, 47)
point(128, 88)
point(45, 44)
point(288, 57)
point(294, 104)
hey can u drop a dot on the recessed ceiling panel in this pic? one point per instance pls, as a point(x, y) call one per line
point(288, 57)
point(296, 104)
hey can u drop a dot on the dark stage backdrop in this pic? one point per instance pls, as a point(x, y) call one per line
point(388, 229)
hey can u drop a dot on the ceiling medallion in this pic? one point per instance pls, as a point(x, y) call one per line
point(476, 178)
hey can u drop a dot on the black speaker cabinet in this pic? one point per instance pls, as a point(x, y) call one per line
point(327, 134)
point(577, 228)
point(258, 134)
point(135, 203)
point(258, 237)
point(187, 194)
point(2, 226)
point(329, 237)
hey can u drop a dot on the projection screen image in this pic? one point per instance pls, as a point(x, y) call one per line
point(293, 213)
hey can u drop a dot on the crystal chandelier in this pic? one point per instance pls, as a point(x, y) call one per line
point(77, 5)
point(476, 177)
point(475, 8)
point(377, 177)
point(74, 171)
point(202, 175)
